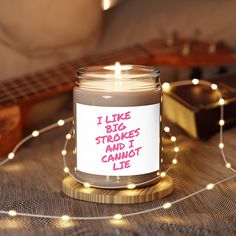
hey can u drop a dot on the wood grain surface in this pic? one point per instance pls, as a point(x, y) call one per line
point(76, 190)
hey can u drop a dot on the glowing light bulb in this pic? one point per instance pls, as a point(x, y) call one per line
point(117, 70)
point(106, 4)
point(65, 218)
point(87, 185)
point(176, 149)
point(11, 155)
point(163, 174)
point(68, 136)
point(66, 169)
point(221, 101)
point(210, 186)
point(174, 161)
point(166, 87)
point(167, 205)
point(228, 165)
point(195, 81)
point(214, 87)
point(63, 152)
point(131, 186)
point(12, 213)
point(173, 138)
point(167, 129)
point(35, 133)
point(61, 122)
point(221, 122)
point(221, 145)
point(117, 216)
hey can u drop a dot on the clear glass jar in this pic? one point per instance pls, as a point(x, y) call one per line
point(117, 112)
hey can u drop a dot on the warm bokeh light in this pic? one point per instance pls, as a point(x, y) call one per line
point(35, 133)
point(61, 122)
point(195, 81)
point(167, 205)
point(65, 218)
point(166, 87)
point(12, 213)
point(63, 152)
point(11, 155)
point(117, 216)
point(210, 186)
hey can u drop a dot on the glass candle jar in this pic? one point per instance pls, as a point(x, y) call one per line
point(117, 112)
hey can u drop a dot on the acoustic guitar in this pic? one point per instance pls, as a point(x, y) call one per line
point(18, 95)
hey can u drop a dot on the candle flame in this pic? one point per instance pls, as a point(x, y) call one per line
point(117, 70)
point(106, 4)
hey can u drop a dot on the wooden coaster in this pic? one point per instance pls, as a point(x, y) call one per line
point(74, 189)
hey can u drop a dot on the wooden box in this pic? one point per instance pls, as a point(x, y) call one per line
point(196, 109)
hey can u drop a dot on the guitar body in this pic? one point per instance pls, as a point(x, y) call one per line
point(10, 128)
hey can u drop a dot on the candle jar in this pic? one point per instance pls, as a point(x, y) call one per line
point(117, 111)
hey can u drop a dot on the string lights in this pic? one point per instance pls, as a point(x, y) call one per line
point(166, 88)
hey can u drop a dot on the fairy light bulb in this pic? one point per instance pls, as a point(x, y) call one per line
point(35, 133)
point(221, 122)
point(195, 81)
point(221, 145)
point(66, 169)
point(131, 186)
point(163, 174)
point(221, 101)
point(87, 185)
point(117, 216)
point(176, 149)
point(65, 218)
point(210, 186)
point(11, 155)
point(228, 165)
point(167, 129)
point(68, 136)
point(173, 138)
point(214, 87)
point(167, 205)
point(63, 152)
point(166, 87)
point(12, 213)
point(174, 161)
point(61, 122)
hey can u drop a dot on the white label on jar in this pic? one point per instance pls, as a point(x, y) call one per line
point(118, 141)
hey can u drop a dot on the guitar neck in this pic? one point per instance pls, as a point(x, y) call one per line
point(31, 88)
point(36, 86)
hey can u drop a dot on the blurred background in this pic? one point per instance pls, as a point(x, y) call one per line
point(39, 34)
